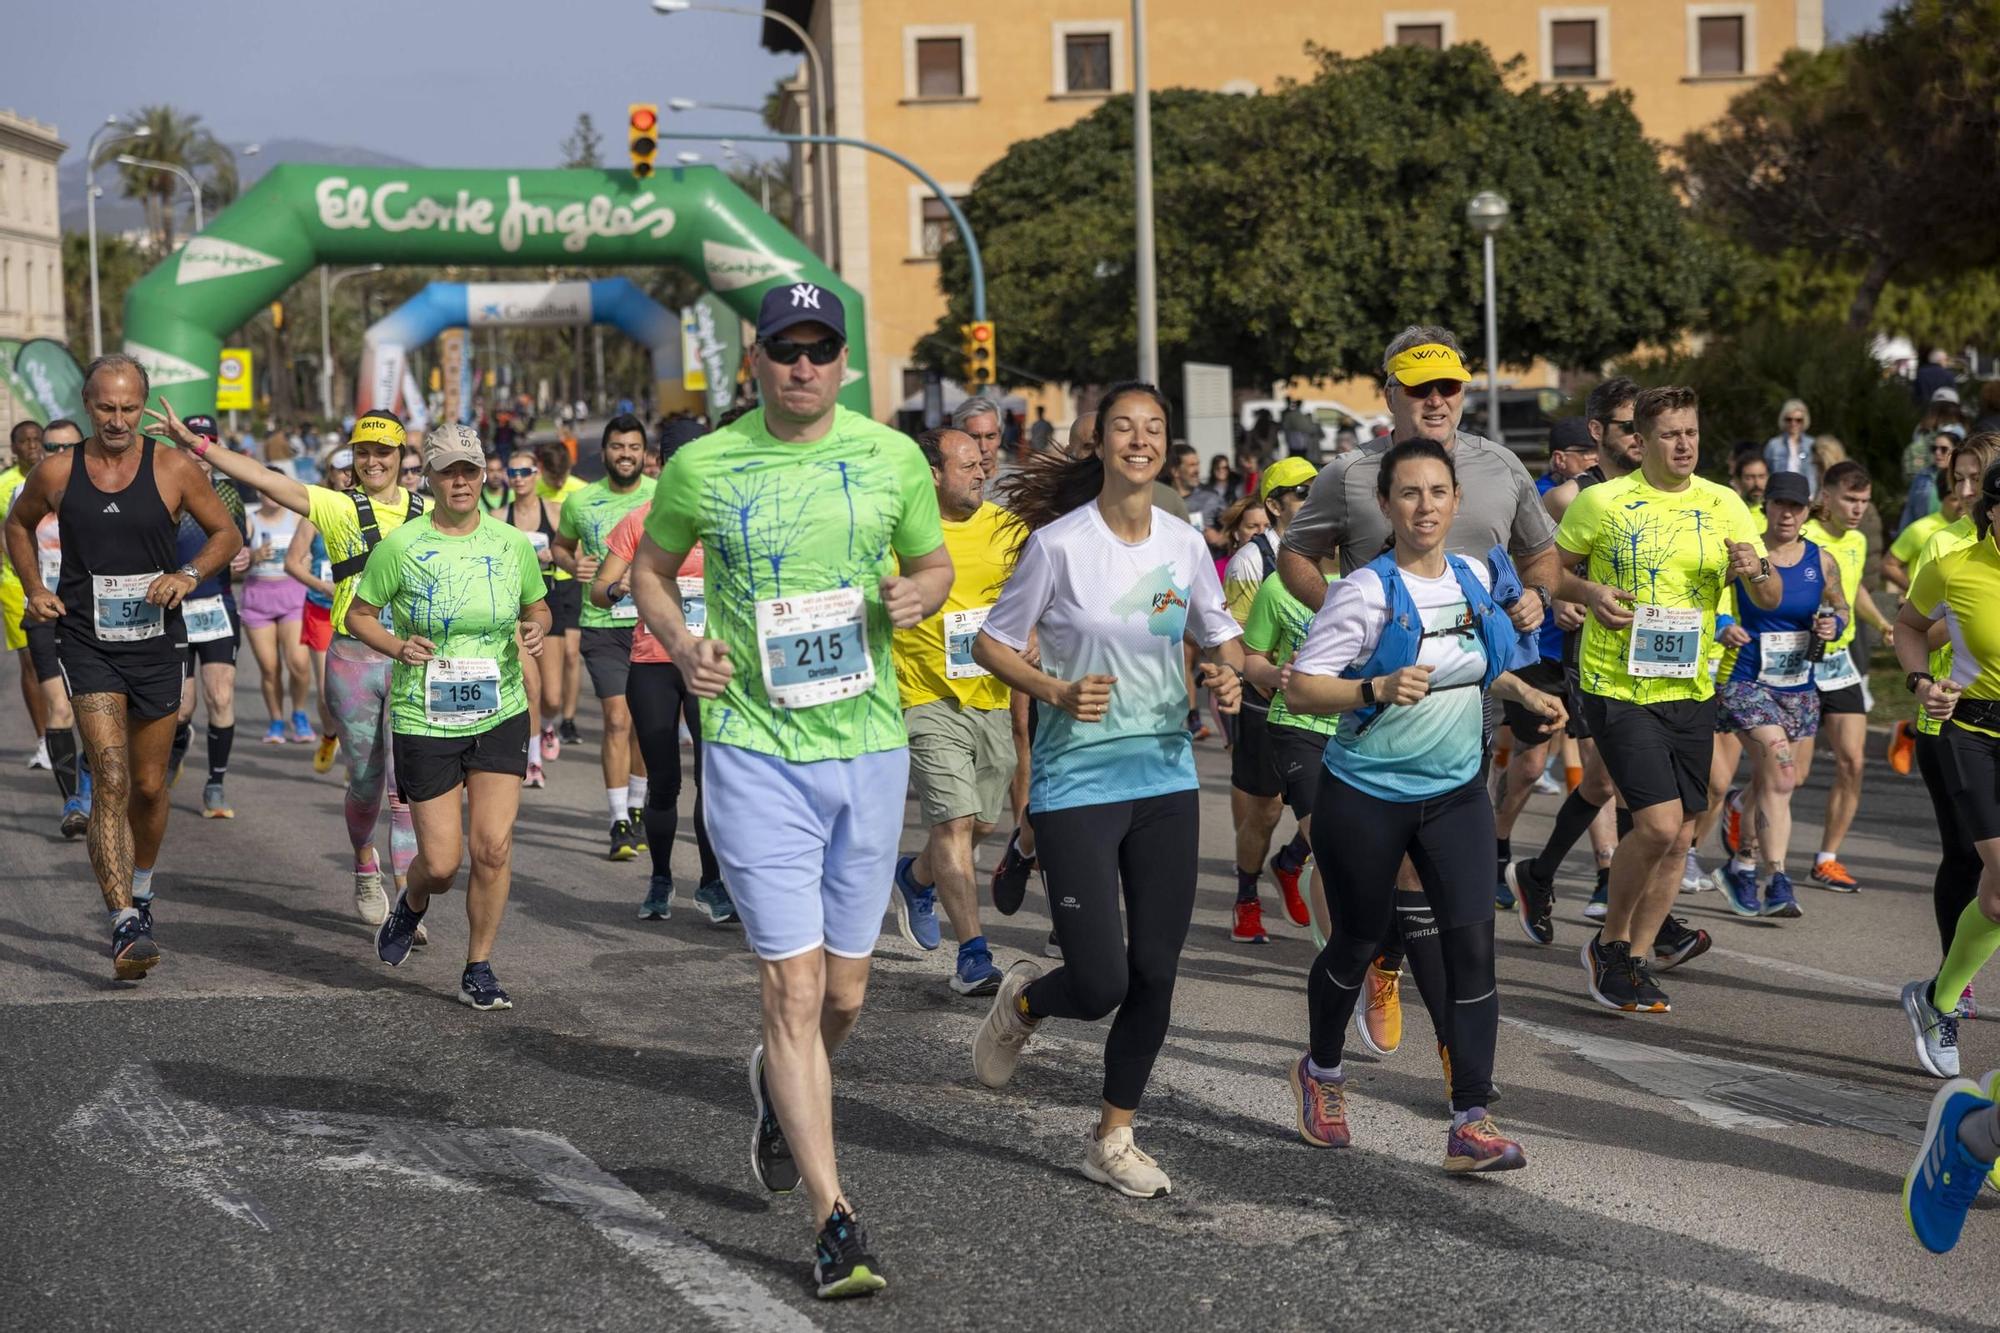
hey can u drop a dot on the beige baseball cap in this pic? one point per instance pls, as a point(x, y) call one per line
point(453, 443)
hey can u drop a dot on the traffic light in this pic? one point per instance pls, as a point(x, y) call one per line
point(980, 353)
point(642, 131)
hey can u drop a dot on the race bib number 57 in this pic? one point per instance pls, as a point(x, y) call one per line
point(815, 648)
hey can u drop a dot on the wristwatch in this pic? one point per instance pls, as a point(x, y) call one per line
point(1763, 570)
point(1910, 681)
point(188, 571)
point(1367, 693)
point(1543, 593)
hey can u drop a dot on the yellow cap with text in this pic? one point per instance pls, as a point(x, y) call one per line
point(372, 429)
point(1426, 362)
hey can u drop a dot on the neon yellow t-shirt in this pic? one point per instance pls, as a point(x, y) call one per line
point(1667, 549)
point(1953, 536)
point(1963, 586)
point(1850, 552)
point(11, 482)
point(1910, 541)
point(571, 485)
point(339, 524)
point(981, 558)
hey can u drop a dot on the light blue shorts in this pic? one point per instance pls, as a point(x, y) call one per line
point(808, 850)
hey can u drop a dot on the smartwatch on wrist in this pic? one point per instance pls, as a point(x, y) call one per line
point(1368, 692)
point(1910, 681)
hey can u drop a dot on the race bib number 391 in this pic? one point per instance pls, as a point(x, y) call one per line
point(815, 648)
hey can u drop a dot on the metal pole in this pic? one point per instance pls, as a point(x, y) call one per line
point(90, 216)
point(1142, 180)
point(1492, 351)
point(965, 236)
point(325, 347)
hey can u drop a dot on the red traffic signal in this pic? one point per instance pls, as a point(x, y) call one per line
point(642, 125)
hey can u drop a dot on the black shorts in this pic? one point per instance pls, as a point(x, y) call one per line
point(1549, 677)
point(1579, 720)
point(1300, 758)
point(607, 656)
point(215, 652)
point(1251, 770)
point(428, 767)
point(1969, 763)
point(1847, 699)
point(42, 649)
point(1655, 753)
point(565, 598)
point(151, 683)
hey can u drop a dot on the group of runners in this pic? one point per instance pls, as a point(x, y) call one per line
point(831, 612)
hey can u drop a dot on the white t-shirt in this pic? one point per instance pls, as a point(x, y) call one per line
point(1104, 606)
point(1425, 749)
point(275, 529)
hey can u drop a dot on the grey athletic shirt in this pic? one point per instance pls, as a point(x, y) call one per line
point(1498, 506)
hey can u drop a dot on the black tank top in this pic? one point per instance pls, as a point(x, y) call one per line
point(115, 532)
point(541, 527)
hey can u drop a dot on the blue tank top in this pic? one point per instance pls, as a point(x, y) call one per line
point(1771, 661)
point(323, 566)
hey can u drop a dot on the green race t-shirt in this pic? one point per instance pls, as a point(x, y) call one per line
point(782, 521)
point(588, 515)
point(1277, 626)
point(465, 595)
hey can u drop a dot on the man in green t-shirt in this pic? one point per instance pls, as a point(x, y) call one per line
point(820, 535)
point(1658, 548)
point(588, 516)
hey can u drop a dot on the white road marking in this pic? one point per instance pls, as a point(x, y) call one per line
point(1739, 1095)
point(1864, 985)
point(189, 1141)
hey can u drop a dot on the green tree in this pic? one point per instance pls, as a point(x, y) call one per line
point(1878, 158)
point(1300, 230)
point(180, 139)
point(584, 146)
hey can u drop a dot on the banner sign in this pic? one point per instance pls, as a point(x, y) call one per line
point(232, 381)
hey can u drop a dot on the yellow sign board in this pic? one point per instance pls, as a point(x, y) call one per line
point(232, 381)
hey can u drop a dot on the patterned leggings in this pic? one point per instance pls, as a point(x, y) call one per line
point(357, 688)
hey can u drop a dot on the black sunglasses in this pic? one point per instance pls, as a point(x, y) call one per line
point(786, 352)
point(1622, 427)
point(1301, 491)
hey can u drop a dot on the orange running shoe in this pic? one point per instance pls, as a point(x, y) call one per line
point(1379, 1019)
point(1833, 875)
point(1902, 748)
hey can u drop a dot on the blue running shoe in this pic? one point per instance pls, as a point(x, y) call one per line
point(1945, 1178)
point(75, 819)
point(916, 908)
point(398, 931)
point(976, 974)
point(1779, 900)
point(144, 907)
point(1503, 894)
point(659, 904)
point(713, 898)
point(480, 989)
point(1739, 886)
point(84, 787)
point(1599, 904)
point(302, 730)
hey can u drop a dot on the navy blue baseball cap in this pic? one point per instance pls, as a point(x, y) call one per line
point(800, 303)
point(203, 425)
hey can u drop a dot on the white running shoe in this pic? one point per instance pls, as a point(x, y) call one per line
point(1116, 1161)
point(370, 903)
point(997, 1046)
point(1693, 878)
point(40, 758)
point(1547, 785)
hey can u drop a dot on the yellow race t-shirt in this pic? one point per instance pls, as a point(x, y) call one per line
point(11, 482)
point(1953, 536)
point(571, 485)
point(339, 524)
point(1910, 541)
point(981, 558)
point(1668, 549)
point(1850, 552)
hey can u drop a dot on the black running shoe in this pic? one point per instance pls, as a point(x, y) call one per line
point(1010, 877)
point(132, 949)
point(568, 732)
point(397, 934)
point(1676, 943)
point(1534, 901)
point(624, 847)
point(770, 1155)
point(1609, 966)
point(637, 826)
point(144, 907)
point(1652, 1000)
point(842, 1265)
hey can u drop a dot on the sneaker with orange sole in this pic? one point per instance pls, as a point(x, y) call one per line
point(1322, 1108)
point(1902, 748)
point(1832, 875)
point(1476, 1144)
point(1378, 1020)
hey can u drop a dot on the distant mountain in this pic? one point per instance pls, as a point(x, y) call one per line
point(116, 213)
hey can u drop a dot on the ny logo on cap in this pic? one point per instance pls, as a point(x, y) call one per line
point(805, 296)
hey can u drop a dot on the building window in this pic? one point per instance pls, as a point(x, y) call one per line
point(1430, 36)
point(1431, 29)
point(940, 67)
point(1721, 44)
point(1573, 48)
point(1087, 62)
point(913, 382)
point(931, 228)
point(28, 286)
point(7, 283)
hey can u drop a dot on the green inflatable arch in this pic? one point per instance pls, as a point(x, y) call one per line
point(299, 216)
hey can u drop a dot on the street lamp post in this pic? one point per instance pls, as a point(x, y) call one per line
point(182, 173)
point(1487, 214)
point(90, 214)
point(1147, 277)
point(327, 282)
point(822, 187)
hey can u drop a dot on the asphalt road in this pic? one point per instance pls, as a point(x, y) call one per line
point(274, 1130)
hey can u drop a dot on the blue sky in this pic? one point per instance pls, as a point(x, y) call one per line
point(444, 82)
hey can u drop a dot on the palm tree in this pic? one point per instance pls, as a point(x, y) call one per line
point(180, 138)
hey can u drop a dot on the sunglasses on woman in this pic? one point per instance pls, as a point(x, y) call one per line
point(517, 473)
point(786, 352)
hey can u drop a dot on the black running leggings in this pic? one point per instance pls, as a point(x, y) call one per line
point(1359, 840)
point(1959, 866)
point(659, 701)
point(1092, 857)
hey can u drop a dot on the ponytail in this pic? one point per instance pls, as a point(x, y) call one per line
point(1989, 496)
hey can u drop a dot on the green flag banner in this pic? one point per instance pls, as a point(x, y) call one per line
point(53, 379)
point(298, 216)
